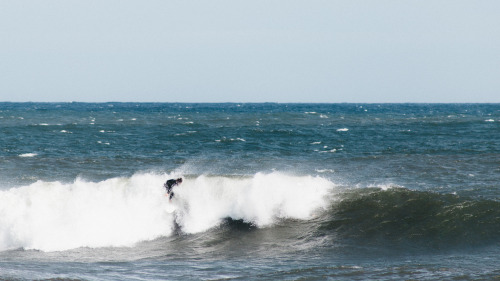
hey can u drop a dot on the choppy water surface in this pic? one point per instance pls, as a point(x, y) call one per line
point(271, 191)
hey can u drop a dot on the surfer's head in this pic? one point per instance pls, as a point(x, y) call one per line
point(179, 180)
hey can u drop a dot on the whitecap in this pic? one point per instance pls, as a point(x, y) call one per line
point(325, 170)
point(342, 130)
point(224, 139)
point(28, 155)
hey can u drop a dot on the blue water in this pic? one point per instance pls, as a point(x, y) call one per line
point(270, 191)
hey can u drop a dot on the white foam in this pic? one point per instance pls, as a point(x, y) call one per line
point(261, 200)
point(325, 170)
point(53, 216)
point(28, 155)
point(326, 151)
point(342, 130)
point(186, 133)
point(224, 139)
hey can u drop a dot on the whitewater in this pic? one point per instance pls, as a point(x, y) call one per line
point(120, 212)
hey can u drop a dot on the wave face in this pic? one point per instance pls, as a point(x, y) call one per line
point(55, 216)
point(402, 217)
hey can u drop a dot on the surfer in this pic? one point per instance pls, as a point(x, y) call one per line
point(170, 184)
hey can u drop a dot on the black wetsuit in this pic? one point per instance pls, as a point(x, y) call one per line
point(169, 185)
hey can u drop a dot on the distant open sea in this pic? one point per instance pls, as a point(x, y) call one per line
point(270, 192)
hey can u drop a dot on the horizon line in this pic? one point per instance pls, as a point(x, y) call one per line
point(233, 102)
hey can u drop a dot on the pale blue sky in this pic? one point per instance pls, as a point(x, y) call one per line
point(250, 51)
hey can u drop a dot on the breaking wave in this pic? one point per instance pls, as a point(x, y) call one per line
point(55, 216)
point(121, 212)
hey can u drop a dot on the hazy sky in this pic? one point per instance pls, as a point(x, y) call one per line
point(250, 51)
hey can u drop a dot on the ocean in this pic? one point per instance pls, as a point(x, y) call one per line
point(271, 191)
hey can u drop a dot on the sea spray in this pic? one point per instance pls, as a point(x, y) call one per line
point(54, 216)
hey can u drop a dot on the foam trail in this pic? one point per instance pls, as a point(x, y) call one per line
point(52, 216)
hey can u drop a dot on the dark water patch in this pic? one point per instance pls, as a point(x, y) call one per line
point(238, 225)
point(400, 217)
